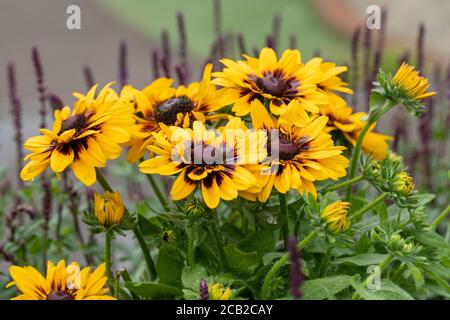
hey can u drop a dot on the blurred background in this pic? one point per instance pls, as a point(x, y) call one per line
point(322, 27)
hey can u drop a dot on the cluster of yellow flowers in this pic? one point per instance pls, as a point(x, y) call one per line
point(287, 101)
point(294, 102)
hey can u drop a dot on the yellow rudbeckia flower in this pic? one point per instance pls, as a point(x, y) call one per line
point(306, 153)
point(412, 85)
point(161, 103)
point(60, 283)
point(83, 139)
point(277, 81)
point(341, 118)
point(220, 166)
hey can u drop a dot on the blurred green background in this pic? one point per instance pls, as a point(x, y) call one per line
point(252, 18)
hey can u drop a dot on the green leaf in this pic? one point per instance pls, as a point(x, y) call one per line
point(366, 259)
point(423, 198)
point(388, 291)
point(261, 241)
point(191, 276)
point(325, 288)
point(431, 239)
point(147, 227)
point(376, 101)
point(269, 257)
point(169, 265)
point(242, 263)
point(431, 273)
point(153, 290)
point(419, 279)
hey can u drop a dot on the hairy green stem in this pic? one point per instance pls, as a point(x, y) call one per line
point(137, 233)
point(265, 289)
point(101, 179)
point(157, 191)
point(191, 230)
point(343, 184)
point(284, 217)
point(108, 239)
point(440, 217)
point(148, 259)
point(116, 284)
point(218, 238)
point(360, 212)
point(373, 118)
point(355, 155)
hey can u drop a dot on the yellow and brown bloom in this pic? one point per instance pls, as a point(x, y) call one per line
point(60, 283)
point(335, 216)
point(83, 139)
point(341, 118)
point(109, 208)
point(331, 82)
point(268, 79)
point(218, 164)
point(161, 103)
point(306, 153)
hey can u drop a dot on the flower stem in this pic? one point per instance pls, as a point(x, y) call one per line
point(148, 259)
point(105, 185)
point(344, 184)
point(284, 217)
point(191, 239)
point(116, 285)
point(373, 118)
point(157, 191)
point(359, 213)
point(217, 235)
point(108, 238)
point(355, 155)
point(440, 217)
point(265, 289)
point(137, 233)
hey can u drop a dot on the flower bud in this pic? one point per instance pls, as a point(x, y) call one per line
point(403, 184)
point(335, 216)
point(109, 208)
point(219, 292)
point(168, 235)
point(396, 243)
point(194, 209)
point(372, 169)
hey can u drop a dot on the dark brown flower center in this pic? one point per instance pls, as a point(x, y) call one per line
point(74, 122)
point(287, 149)
point(60, 295)
point(204, 154)
point(272, 84)
point(166, 111)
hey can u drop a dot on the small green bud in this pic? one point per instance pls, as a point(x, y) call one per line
point(168, 235)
